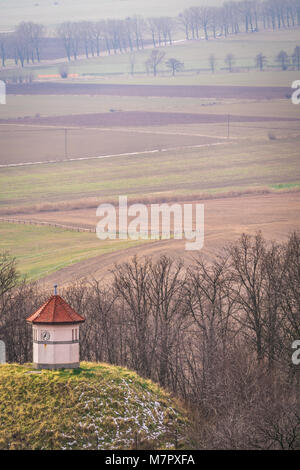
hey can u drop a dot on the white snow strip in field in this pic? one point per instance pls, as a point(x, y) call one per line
point(99, 157)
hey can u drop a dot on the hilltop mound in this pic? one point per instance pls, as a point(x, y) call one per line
point(95, 407)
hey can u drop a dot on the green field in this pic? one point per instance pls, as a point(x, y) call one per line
point(245, 78)
point(195, 56)
point(97, 406)
point(209, 169)
point(42, 250)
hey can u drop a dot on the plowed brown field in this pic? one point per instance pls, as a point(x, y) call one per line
point(194, 91)
point(139, 118)
point(276, 215)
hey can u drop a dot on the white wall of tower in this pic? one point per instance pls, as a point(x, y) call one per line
point(62, 347)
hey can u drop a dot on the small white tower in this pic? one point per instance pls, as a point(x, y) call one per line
point(55, 331)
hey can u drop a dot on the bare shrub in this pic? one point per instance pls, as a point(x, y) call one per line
point(63, 71)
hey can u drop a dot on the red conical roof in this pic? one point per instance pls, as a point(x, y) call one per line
point(55, 310)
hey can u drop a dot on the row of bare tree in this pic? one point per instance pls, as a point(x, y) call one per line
point(283, 59)
point(196, 22)
point(235, 17)
point(132, 33)
point(218, 335)
point(156, 58)
point(90, 38)
point(24, 45)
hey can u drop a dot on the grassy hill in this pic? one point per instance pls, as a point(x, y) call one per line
point(95, 407)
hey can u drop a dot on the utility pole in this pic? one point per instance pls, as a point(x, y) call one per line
point(228, 126)
point(66, 143)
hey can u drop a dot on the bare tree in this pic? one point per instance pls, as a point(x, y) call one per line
point(28, 36)
point(37, 32)
point(248, 271)
point(195, 22)
point(214, 20)
point(65, 32)
point(277, 420)
point(174, 65)
point(115, 35)
point(8, 273)
point(166, 292)
point(185, 20)
point(230, 61)
point(156, 58)
point(260, 61)
point(23, 37)
point(229, 17)
point(98, 32)
point(290, 292)
point(154, 30)
point(167, 26)
point(132, 62)
point(211, 307)
point(3, 44)
point(296, 57)
point(212, 62)
point(283, 59)
point(205, 19)
point(85, 32)
point(248, 9)
point(138, 28)
point(232, 17)
point(128, 32)
point(131, 283)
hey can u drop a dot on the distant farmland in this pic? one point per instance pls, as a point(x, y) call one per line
point(229, 140)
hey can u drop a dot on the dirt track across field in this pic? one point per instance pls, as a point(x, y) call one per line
point(193, 91)
point(26, 145)
point(276, 215)
point(140, 118)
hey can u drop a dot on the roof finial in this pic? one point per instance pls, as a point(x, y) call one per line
point(55, 289)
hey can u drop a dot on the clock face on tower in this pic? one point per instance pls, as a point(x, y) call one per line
point(45, 335)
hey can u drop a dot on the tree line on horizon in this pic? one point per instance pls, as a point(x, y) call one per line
point(134, 33)
point(219, 335)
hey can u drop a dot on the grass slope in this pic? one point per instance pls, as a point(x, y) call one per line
point(195, 54)
point(116, 68)
point(95, 407)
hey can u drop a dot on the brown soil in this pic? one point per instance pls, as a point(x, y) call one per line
point(194, 91)
point(276, 215)
point(24, 144)
point(139, 118)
